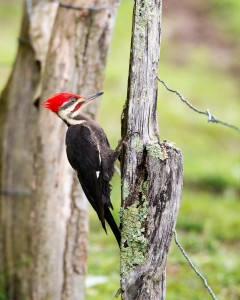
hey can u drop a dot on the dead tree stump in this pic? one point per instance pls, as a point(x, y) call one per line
point(152, 173)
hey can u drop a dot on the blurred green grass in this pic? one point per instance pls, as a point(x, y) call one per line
point(226, 14)
point(208, 222)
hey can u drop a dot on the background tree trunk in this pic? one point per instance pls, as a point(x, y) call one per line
point(151, 172)
point(43, 216)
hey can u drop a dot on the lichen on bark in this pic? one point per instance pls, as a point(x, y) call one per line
point(154, 150)
point(125, 190)
point(133, 240)
point(142, 15)
point(168, 144)
point(137, 144)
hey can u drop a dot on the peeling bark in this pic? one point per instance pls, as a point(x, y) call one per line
point(43, 212)
point(152, 173)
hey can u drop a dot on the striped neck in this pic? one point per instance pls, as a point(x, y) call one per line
point(73, 118)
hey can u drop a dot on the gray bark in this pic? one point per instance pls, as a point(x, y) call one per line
point(152, 173)
point(43, 212)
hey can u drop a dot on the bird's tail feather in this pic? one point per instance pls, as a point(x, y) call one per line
point(109, 218)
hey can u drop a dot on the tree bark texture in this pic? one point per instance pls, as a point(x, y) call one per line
point(152, 173)
point(43, 212)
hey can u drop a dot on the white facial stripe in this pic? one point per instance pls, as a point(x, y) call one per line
point(62, 114)
point(70, 108)
point(75, 122)
point(75, 113)
point(68, 114)
point(71, 121)
point(97, 173)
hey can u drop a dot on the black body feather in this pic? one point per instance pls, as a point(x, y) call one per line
point(89, 153)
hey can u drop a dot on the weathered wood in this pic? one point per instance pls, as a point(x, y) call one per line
point(43, 234)
point(151, 172)
point(76, 62)
point(17, 120)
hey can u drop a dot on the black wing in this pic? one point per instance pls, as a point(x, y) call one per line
point(84, 156)
point(83, 152)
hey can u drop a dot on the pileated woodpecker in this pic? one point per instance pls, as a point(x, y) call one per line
point(88, 152)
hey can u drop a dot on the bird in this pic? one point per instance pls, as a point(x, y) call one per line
point(88, 152)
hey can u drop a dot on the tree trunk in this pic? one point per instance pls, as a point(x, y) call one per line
point(151, 172)
point(43, 212)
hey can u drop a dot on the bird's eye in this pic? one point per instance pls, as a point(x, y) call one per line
point(73, 100)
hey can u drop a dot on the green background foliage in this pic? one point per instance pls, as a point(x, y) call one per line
point(203, 64)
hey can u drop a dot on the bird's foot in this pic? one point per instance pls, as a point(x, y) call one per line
point(122, 143)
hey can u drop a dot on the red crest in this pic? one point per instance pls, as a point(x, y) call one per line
point(57, 100)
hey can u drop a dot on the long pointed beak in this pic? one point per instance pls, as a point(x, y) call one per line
point(90, 98)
